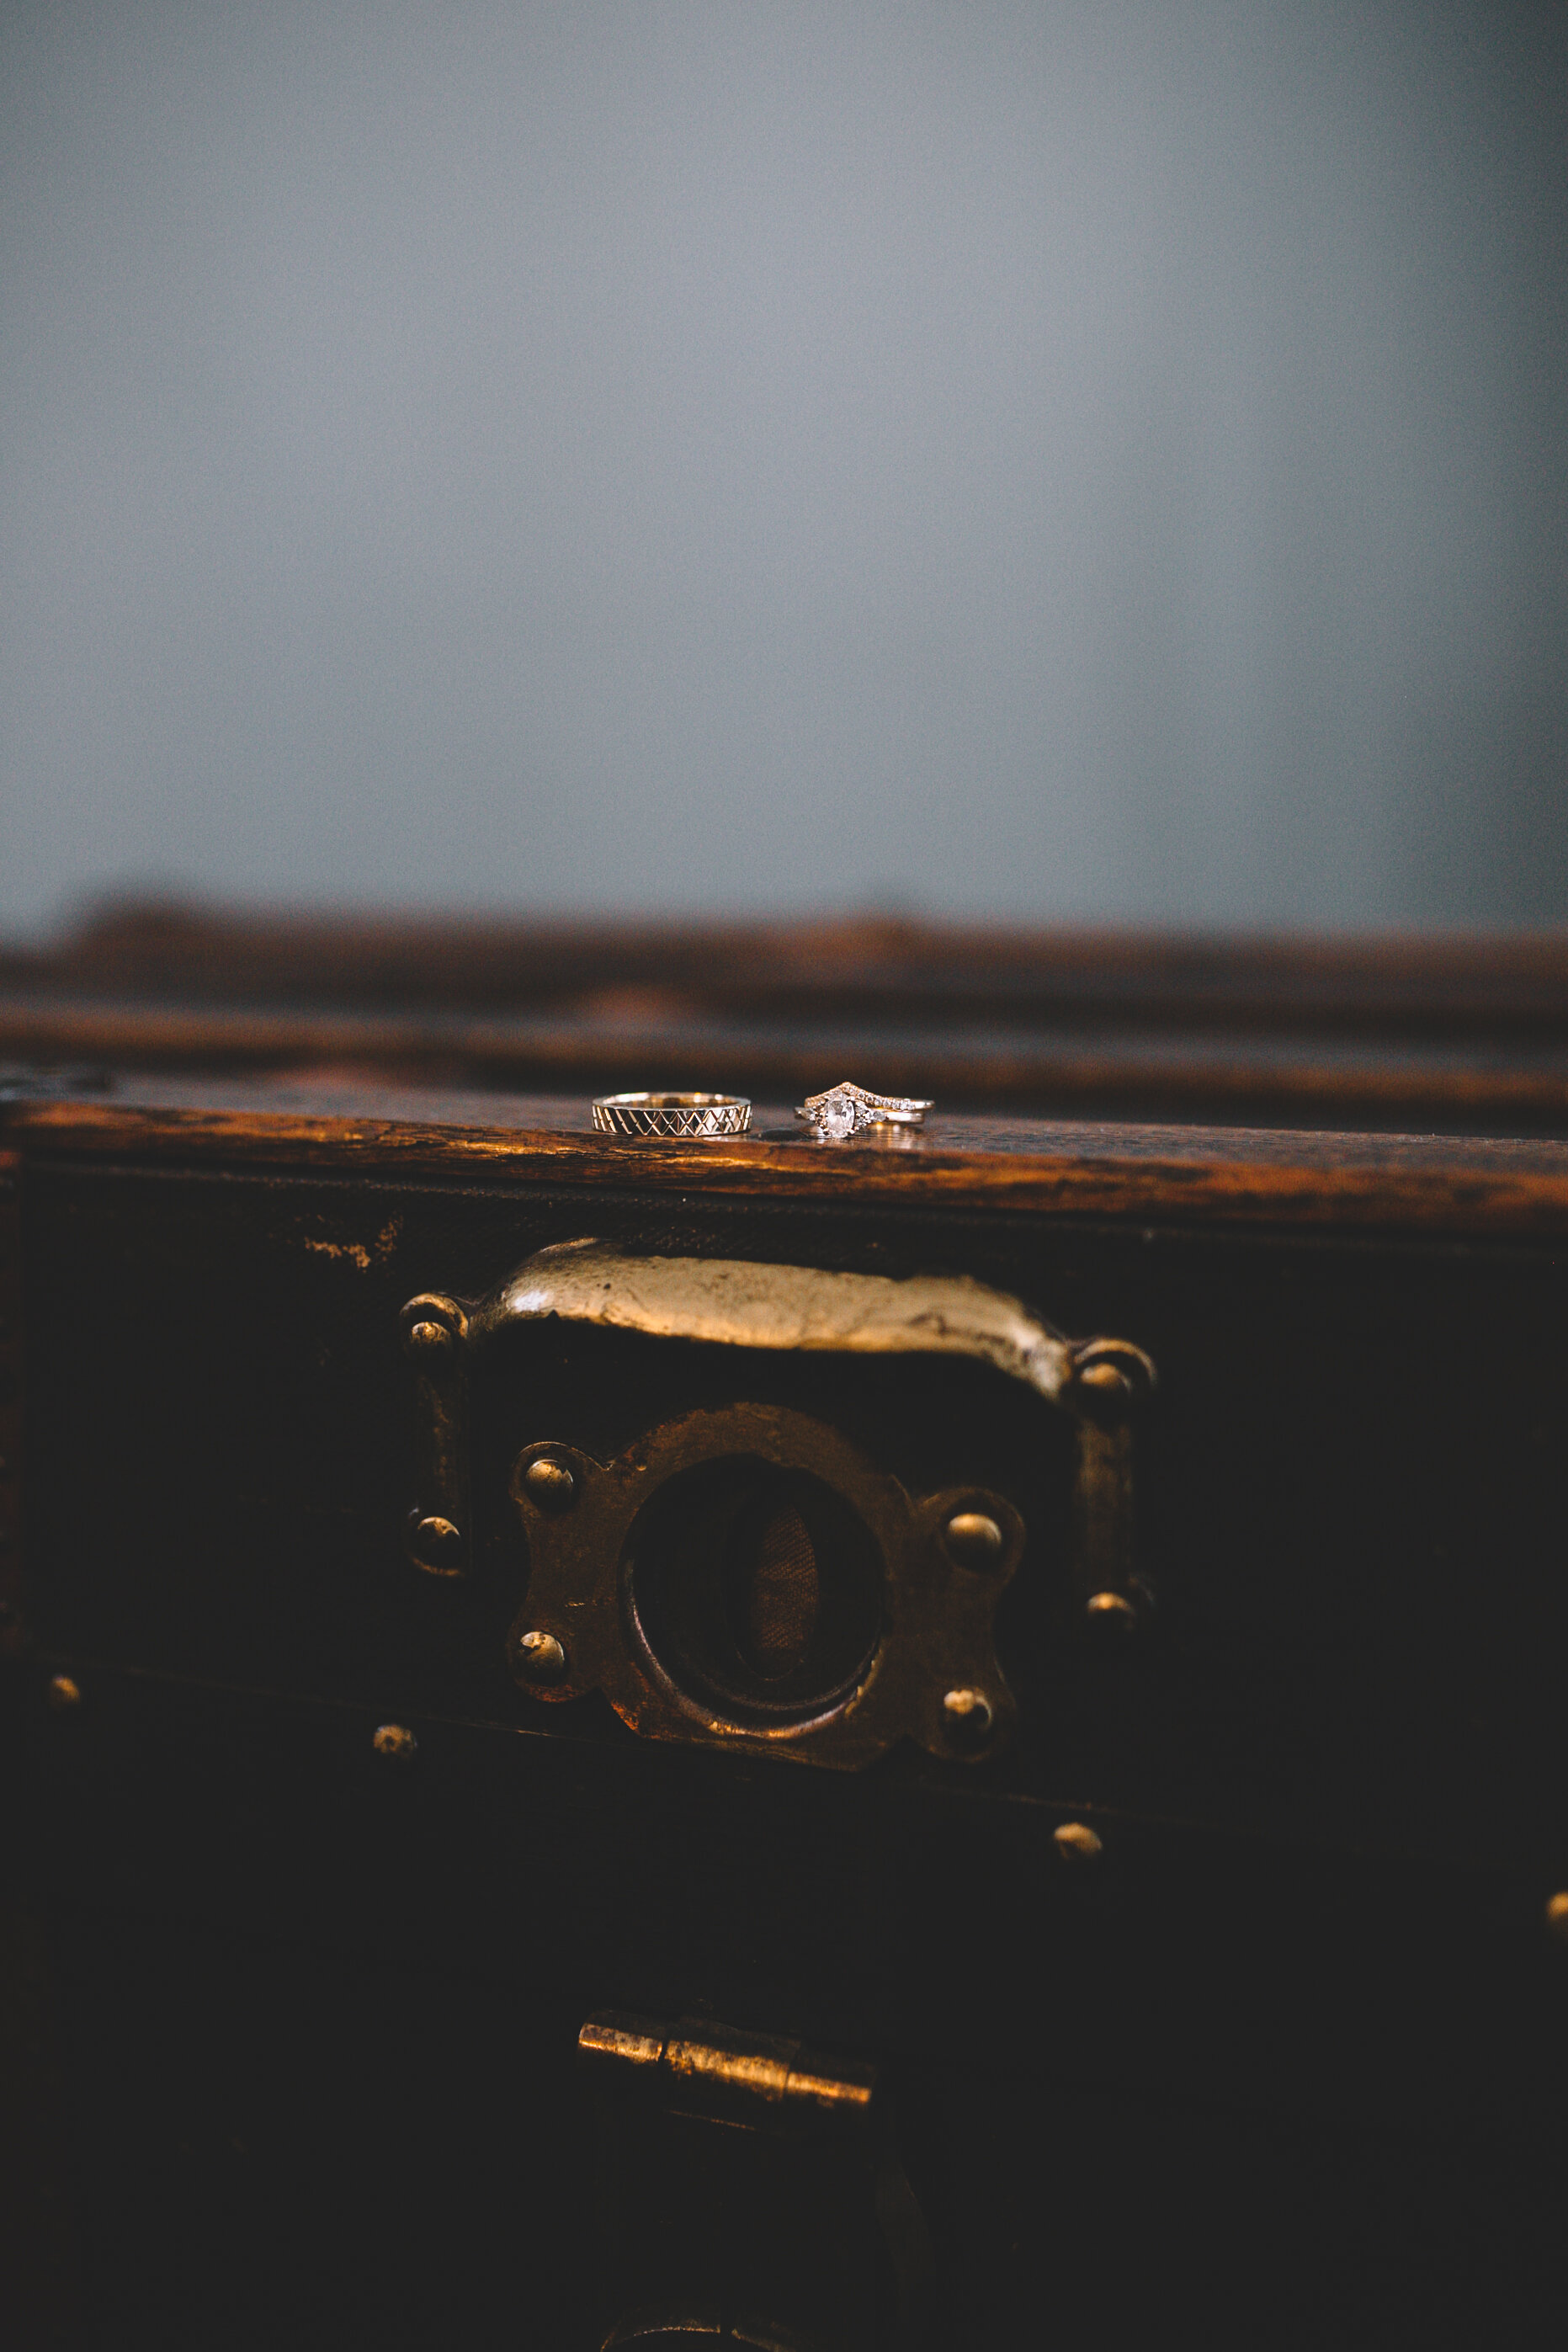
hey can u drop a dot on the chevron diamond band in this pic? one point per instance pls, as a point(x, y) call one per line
point(842, 1110)
point(672, 1116)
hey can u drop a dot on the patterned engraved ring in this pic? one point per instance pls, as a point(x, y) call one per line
point(843, 1110)
point(672, 1117)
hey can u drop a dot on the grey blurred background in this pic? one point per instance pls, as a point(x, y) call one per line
point(1081, 461)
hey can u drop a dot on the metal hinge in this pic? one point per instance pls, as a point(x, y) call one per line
point(752, 2081)
point(841, 2153)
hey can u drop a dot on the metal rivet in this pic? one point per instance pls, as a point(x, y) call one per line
point(1104, 1391)
point(393, 1739)
point(429, 1339)
point(438, 1546)
point(540, 1657)
point(61, 1692)
point(1075, 1841)
point(973, 1539)
point(968, 1718)
point(550, 1483)
point(1557, 1917)
point(1110, 1616)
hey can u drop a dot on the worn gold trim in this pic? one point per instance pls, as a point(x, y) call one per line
point(738, 1304)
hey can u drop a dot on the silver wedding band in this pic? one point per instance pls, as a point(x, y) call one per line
point(672, 1116)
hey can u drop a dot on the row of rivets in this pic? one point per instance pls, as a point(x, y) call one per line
point(1075, 1841)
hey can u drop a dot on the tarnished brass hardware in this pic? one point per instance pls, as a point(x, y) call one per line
point(550, 1483)
point(1076, 1843)
point(435, 1331)
point(969, 1719)
point(974, 1539)
point(1111, 1380)
point(437, 1545)
point(632, 2040)
point(429, 1339)
point(735, 1303)
point(1557, 1917)
point(757, 2081)
point(809, 2119)
point(840, 1610)
point(746, 1577)
point(433, 1324)
point(1110, 1377)
point(393, 1739)
point(539, 1658)
point(1111, 1616)
point(61, 1693)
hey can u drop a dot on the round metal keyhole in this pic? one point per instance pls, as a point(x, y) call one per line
point(757, 1590)
point(774, 1589)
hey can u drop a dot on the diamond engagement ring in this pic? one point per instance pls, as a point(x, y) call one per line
point(672, 1115)
point(845, 1108)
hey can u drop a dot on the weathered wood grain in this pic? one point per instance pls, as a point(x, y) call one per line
point(1293, 1178)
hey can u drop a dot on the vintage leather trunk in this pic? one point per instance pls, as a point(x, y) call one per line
point(744, 1781)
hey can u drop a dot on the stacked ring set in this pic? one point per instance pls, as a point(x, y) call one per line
point(834, 1116)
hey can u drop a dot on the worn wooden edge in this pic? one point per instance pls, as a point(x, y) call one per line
point(1211, 1175)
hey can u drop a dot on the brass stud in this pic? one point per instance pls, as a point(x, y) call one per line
point(968, 1718)
point(61, 1693)
point(1076, 1843)
point(550, 1483)
point(393, 1739)
point(438, 1546)
point(1111, 1616)
point(1557, 1917)
point(1105, 1389)
point(540, 1657)
point(429, 1339)
point(974, 1540)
